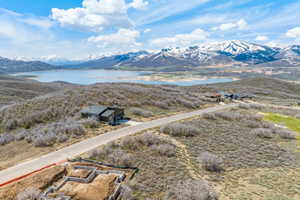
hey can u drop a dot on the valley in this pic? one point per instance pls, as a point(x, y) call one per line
point(173, 126)
point(219, 60)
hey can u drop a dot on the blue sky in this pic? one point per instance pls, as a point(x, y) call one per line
point(77, 29)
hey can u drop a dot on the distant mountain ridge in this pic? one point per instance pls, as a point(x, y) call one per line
point(108, 62)
point(13, 66)
point(217, 53)
point(235, 52)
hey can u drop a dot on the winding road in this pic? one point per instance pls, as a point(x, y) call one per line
point(92, 143)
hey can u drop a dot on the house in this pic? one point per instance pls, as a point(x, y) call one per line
point(236, 96)
point(110, 115)
point(216, 96)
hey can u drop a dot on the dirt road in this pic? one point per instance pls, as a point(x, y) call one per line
point(89, 144)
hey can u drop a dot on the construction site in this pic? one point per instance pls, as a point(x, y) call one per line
point(75, 179)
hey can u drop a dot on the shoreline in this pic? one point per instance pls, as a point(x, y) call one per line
point(180, 78)
point(144, 77)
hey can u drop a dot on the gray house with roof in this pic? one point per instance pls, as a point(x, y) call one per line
point(110, 115)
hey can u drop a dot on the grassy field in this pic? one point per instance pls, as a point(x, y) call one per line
point(290, 122)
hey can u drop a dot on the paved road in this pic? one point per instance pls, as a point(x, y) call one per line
point(89, 144)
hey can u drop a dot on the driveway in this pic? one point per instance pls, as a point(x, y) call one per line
point(92, 143)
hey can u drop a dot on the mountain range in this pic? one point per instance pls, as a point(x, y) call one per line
point(218, 53)
point(14, 66)
point(238, 53)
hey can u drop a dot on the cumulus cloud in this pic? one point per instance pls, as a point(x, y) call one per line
point(261, 38)
point(294, 33)
point(241, 24)
point(96, 15)
point(181, 39)
point(122, 38)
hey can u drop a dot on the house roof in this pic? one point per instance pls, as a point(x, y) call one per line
point(107, 113)
point(94, 110)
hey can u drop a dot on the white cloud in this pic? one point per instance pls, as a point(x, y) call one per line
point(206, 19)
point(96, 15)
point(147, 30)
point(139, 4)
point(39, 22)
point(19, 28)
point(272, 44)
point(123, 38)
point(8, 30)
point(261, 38)
point(104, 6)
point(294, 33)
point(30, 36)
point(181, 39)
point(241, 24)
point(228, 26)
point(161, 9)
point(35, 21)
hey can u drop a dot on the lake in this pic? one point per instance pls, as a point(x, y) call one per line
point(87, 77)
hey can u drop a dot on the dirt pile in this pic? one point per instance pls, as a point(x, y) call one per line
point(100, 189)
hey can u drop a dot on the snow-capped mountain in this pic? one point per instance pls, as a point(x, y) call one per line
point(53, 60)
point(107, 62)
point(227, 53)
point(242, 51)
point(217, 53)
point(234, 47)
point(291, 53)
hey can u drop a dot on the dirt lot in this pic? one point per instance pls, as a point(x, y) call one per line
point(99, 189)
point(39, 181)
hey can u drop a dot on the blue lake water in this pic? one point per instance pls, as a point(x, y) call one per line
point(87, 77)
